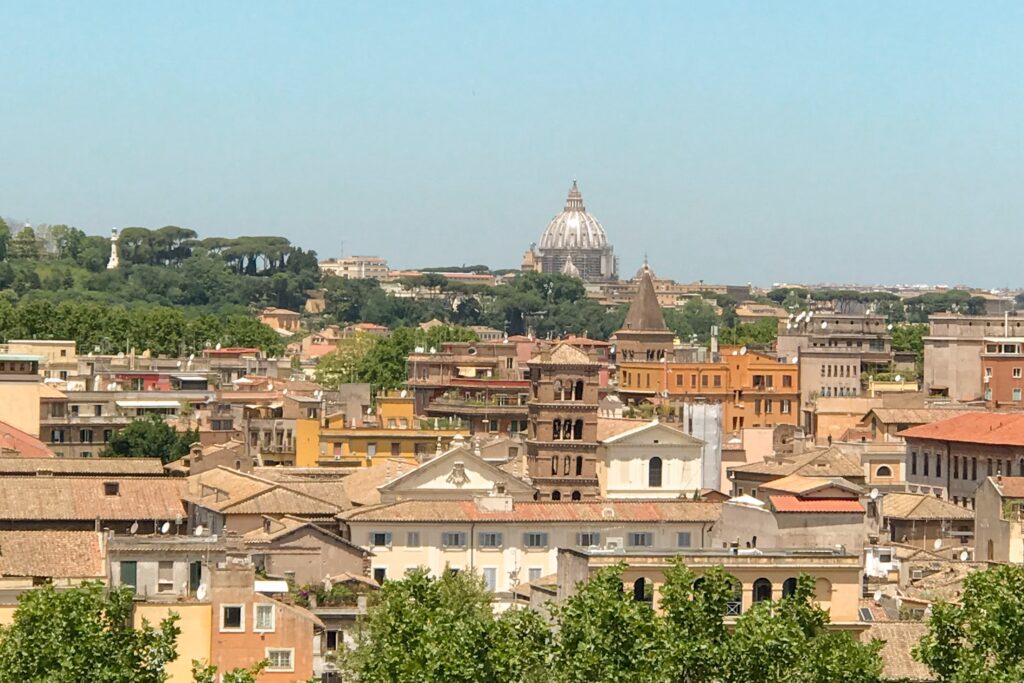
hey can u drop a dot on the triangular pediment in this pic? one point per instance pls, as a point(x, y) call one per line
point(457, 474)
point(650, 432)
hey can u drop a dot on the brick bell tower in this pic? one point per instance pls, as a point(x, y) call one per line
point(562, 440)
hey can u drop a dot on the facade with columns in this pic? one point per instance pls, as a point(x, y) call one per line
point(574, 243)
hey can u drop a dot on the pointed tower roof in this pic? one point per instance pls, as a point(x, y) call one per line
point(574, 202)
point(644, 311)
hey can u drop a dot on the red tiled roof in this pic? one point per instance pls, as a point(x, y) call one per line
point(1009, 487)
point(601, 511)
point(994, 429)
point(27, 446)
point(795, 504)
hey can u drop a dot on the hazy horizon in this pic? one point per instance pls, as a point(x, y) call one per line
point(731, 142)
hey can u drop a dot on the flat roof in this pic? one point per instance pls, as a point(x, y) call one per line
point(21, 357)
point(148, 404)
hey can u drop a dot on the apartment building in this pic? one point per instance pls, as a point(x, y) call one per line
point(356, 267)
point(953, 351)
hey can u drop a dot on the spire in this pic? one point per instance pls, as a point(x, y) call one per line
point(644, 311)
point(574, 202)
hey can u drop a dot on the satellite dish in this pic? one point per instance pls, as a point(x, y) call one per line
point(199, 531)
point(165, 527)
point(217, 346)
point(964, 556)
point(800, 317)
point(191, 357)
point(824, 324)
point(201, 592)
point(898, 378)
point(937, 544)
point(789, 326)
point(873, 494)
point(134, 528)
point(878, 596)
point(178, 364)
point(403, 393)
point(743, 350)
point(889, 326)
point(795, 360)
point(433, 350)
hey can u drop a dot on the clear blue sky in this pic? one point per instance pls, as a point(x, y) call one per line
point(761, 141)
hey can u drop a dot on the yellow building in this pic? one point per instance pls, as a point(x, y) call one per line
point(351, 441)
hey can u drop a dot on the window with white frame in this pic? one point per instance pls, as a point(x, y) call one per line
point(263, 618)
point(165, 576)
point(1016, 394)
point(490, 579)
point(588, 538)
point(1016, 373)
point(683, 539)
point(280, 659)
point(533, 574)
point(412, 539)
point(232, 618)
point(535, 539)
point(489, 539)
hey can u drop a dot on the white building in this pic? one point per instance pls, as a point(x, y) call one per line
point(652, 460)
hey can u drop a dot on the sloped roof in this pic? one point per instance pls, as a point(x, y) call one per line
point(652, 424)
point(1009, 487)
point(233, 492)
point(53, 554)
point(900, 638)
point(917, 416)
point(83, 498)
point(609, 512)
point(994, 429)
point(27, 446)
point(81, 466)
point(465, 454)
point(332, 492)
point(828, 462)
point(644, 313)
point(826, 505)
point(607, 427)
point(562, 354)
point(801, 485)
point(922, 507)
point(361, 486)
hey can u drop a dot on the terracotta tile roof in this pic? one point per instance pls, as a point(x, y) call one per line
point(917, 416)
point(281, 501)
point(607, 427)
point(994, 429)
point(921, 506)
point(26, 445)
point(801, 485)
point(577, 512)
point(332, 492)
point(83, 498)
point(361, 485)
point(82, 466)
point(238, 493)
point(796, 504)
point(1009, 487)
point(828, 462)
point(53, 554)
point(900, 638)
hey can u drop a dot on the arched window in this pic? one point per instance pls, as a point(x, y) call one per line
point(579, 465)
point(883, 471)
point(558, 390)
point(789, 587)
point(643, 590)
point(577, 430)
point(1020, 467)
point(576, 495)
point(762, 590)
point(566, 463)
point(579, 390)
point(556, 430)
point(654, 472)
point(734, 607)
point(556, 495)
point(567, 430)
point(554, 464)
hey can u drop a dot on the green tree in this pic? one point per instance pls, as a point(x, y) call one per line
point(980, 640)
point(25, 245)
point(5, 239)
point(604, 635)
point(149, 437)
point(760, 334)
point(207, 673)
point(341, 366)
point(693, 635)
point(83, 634)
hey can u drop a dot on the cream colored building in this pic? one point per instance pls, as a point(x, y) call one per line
point(651, 460)
point(513, 543)
point(999, 520)
point(59, 357)
point(459, 474)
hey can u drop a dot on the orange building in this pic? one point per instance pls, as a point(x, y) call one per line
point(755, 389)
point(1002, 367)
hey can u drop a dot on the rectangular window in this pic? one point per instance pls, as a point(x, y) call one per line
point(757, 406)
point(988, 394)
point(926, 464)
point(693, 381)
point(263, 618)
point(129, 573)
point(974, 469)
point(232, 618)
point(380, 539)
point(1016, 373)
point(533, 574)
point(913, 463)
point(85, 435)
point(371, 450)
point(717, 381)
point(280, 659)
point(641, 539)
point(587, 539)
point(938, 465)
point(956, 467)
point(490, 579)
point(379, 574)
point(787, 381)
point(412, 539)
point(703, 380)
point(1016, 394)
point(57, 436)
point(535, 539)
point(453, 539)
point(679, 380)
point(767, 406)
point(489, 539)
point(333, 638)
point(396, 448)
point(165, 576)
point(784, 406)
point(683, 539)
